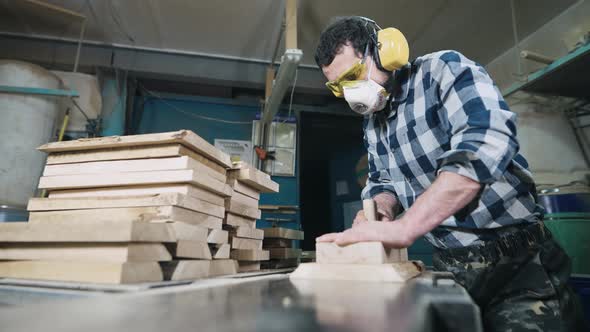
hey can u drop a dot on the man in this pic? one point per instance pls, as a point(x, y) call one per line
point(442, 147)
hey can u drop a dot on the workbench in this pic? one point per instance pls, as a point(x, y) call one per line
point(248, 302)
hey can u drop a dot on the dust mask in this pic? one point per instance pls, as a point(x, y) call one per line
point(365, 97)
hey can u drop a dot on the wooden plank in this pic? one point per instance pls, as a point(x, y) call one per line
point(185, 231)
point(243, 199)
point(219, 267)
point(96, 272)
point(129, 153)
point(357, 253)
point(135, 165)
point(243, 189)
point(185, 269)
point(83, 181)
point(283, 233)
point(169, 199)
point(220, 251)
point(143, 214)
point(243, 243)
point(249, 255)
point(96, 252)
point(189, 249)
point(135, 178)
point(291, 24)
point(217, 236)
point(184, 137)
point(242, 210)
point(284, 253)
point(394, 272)
point(239, 221)
point(277, 243)
point(185, 189)
point(248, 266)
point(108, 231)
point(256, 179)
point(247, 232)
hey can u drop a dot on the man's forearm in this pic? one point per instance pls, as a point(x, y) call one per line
point(448, 194)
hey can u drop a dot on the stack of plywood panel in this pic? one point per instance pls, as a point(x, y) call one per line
point(241, 214)
point(280, 242)
point(125, 209)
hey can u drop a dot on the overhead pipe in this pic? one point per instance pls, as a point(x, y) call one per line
point(536, 57)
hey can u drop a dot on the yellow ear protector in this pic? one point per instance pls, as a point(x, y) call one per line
point(390, 47)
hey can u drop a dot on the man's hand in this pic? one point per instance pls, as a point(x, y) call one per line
point(391, 234)
point(386, 207)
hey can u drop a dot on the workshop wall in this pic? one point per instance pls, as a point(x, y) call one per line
point(174, 112)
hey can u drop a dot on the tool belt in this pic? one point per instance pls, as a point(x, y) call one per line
point(517, 243)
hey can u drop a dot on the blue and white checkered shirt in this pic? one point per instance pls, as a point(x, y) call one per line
point(446, 114)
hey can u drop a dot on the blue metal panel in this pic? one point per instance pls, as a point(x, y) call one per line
point(38, 91)
point(114, 104)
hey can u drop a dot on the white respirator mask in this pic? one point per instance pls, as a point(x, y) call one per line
point(365, 97)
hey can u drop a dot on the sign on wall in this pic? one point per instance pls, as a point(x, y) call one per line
point(237, 150)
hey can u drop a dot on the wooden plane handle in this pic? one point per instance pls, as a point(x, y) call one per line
point(370, 209)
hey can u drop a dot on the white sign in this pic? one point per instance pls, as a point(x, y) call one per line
point(237, 150)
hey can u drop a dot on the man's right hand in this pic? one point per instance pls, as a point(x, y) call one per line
point(386, 207)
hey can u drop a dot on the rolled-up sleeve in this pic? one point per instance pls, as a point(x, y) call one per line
point(379, 180)
point(483, 129)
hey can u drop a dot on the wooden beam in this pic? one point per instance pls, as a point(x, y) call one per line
point(395, 272)
point(284, 253)
point(243, 199)
point(248, 266)
point(357, 253)
point(270, 77)
point(136, 165)
point(242, 210)
point(243, 189)
point(189, 249)
point(255, 179)
point(243, 243)
point(217, 236)
point(135, 178)
point(221, 267)
point(96, 252)
point(291, 24)
point(143, 214)
point(283, 233)
point(185, 269)
point(277, 243)
point(88, 231)
point(96, 272)
point(185, 231)
point(249, 255)
point(239, 221)
point(247, 232)
point(168, 199)
point(184, 137)
point(220, 251)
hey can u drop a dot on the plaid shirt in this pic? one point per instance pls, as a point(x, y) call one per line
point(446, 114)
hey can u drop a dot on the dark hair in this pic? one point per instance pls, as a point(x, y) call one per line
point(342, 30)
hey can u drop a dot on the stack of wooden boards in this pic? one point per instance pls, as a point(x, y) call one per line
point(242, 210)
point(280, 242)
point(125, 209)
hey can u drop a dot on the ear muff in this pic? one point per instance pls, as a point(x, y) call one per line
point(392, 49)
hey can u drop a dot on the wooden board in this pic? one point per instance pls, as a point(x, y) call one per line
point(184, 137)
point(144, 214)
point(185, 189)
point(95, 252)
point(243, 243)
point(357, 253)
point(221, 267)
point(283, 233)
point(134, 165)
point(242, 210)
point(280, 263)
point(255, 179)
point(239, 221)
point(249, 255)
point(185, 269)
point(186, 231)
point(135, 178)
point(217, 236)
point(243, 189)
point(248, 266)
point(107, 231)
point(243, 199)
point(277, 243)
point(96, 272)
point(394, 272)
point(220, 251)
point(189, 249)
point(129, 153)
point(284, 253)
point(247, 232)
point(169, 199)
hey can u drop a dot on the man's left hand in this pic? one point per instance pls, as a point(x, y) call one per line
point(391, 234)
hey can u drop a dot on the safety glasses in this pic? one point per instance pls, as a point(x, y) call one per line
point(348, 78)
